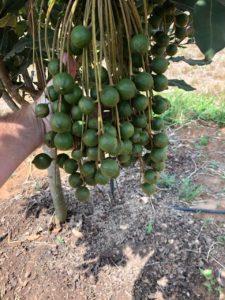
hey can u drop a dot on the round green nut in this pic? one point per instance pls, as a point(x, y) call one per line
point(82, 194)
point(42, 161)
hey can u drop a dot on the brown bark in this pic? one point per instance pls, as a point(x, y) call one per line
point(9, 101)
point(4, 77)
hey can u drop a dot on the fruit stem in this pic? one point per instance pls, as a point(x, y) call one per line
point(49, 10)
point(118, 122)
point(128, 38)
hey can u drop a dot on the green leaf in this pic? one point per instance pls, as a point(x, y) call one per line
point(209, 25)
point(25, 42)
point(149, 228)
point(8, 20)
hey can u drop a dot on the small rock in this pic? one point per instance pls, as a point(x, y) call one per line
point(77, 233)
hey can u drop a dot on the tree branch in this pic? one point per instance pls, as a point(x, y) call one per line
point(4, 77)
point(9, 101)
point(29, 84)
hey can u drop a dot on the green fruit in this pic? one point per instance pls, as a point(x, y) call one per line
point(54, 66)
point(77, 154)
point(94, 92)
point(151, 176)
point(180, 33)
point(78, 128)
point(92, 153)
point(144, 138)
point(76, 113)
point(161, 38)
point(182, 20)
point(137, 60)
point(41, 110)
point(70, 166)
point(76, 51)
point(86, 105)
point(140, 121)
point(160, 83)
point(157, 50)
point(149, 9)
point(143, 81)
point(124, 109)
point(160, 105)
point(127, 147)
point(110, 96)
point(139, 43)
point(60, 122)
point(80, 37)
point(159, 154)
point(127, 164)
point(63, 83)
point(126, 89)
point(140, 102)
point(108, 143)
point(103, 75)
point(61, 107)
point(61, 158)
point(110, 129)
point(126, 130)
point(148, 189)
point(159, 65)
point(109, 168)
point(157, 124)
point(101, 179)
point(74, 97)
point(90, 181)
point(137, 150)
point(155, 21)
point(171, 50)
point(160, 140)
point(51, 94)
point(170, 8)
point(93, 123)
point(49, 139)
point(159, 9)
point(124, 158)
point(63, 141)
point(75, 180)
point(88, 169)
point(136, 138)
point(42, 161)
point(82, 193)
point(158, 166)
point(90, 138)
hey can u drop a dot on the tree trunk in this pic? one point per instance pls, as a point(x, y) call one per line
point(56, 188)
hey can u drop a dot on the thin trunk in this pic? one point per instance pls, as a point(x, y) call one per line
point(56, 188)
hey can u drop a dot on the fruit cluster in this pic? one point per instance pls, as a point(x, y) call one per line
point(113, 122)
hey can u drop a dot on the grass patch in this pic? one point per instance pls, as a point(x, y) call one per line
point(187, 106)
point(167, 181)
point(188, 190)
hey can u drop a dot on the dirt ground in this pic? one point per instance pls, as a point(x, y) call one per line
point(127, 246)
